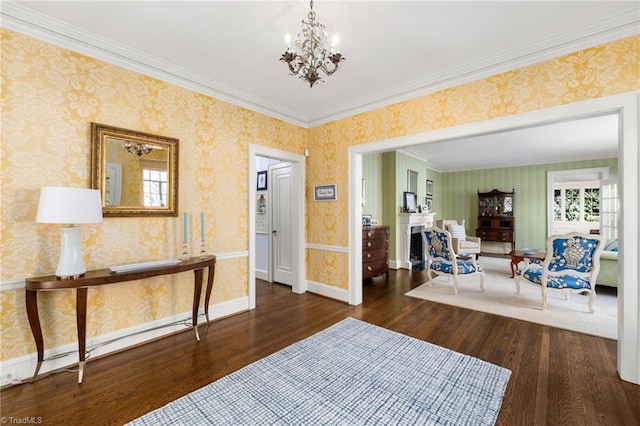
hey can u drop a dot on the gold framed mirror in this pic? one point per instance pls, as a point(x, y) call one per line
point(136, 172)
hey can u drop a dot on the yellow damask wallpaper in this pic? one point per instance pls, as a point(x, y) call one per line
point(49, 98)
point(590, 73)
point(50, 95)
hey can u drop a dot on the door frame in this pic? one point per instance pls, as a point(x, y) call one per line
point(627, 106)
point(297, 193)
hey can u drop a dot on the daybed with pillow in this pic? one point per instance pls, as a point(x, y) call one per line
point(608, 274)
point(462, 243)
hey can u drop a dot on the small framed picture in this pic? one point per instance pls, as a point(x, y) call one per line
point(366, 220)
point(429, 187)
point(429, 204)
point(325, 192)
point(409, 202)
point(262, 181)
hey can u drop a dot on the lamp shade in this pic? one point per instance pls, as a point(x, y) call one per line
point(69, 205)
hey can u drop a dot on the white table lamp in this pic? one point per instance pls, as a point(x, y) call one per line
point(70, 206)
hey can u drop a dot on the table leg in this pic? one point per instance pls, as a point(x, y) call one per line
point(81, 322)
point(197, 289)
point(514, 264)
point(31, 299)
point(210, 274)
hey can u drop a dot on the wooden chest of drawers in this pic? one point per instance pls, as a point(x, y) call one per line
point(499, 236)
point(375, 251)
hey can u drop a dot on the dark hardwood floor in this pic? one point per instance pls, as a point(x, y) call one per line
point(558, 377)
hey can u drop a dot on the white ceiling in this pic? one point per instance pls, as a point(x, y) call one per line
point(584, 139)
point(395, 50)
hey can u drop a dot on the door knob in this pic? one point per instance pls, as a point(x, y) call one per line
point(274, 233)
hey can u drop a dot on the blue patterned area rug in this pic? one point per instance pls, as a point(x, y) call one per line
point(352, 373)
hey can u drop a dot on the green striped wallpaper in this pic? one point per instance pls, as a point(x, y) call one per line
point(385, 175)
point(459, 195)
point(388, 195)
point(372, 174)
point(455, 193)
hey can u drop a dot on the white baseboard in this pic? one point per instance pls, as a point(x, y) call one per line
point(22, 368)
point(328, 291)
point(394, 264)
point(262, 275)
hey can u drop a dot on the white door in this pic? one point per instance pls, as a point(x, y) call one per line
point(282, 225)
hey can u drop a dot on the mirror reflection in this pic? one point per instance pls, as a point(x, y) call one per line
point(136, 172)
point(412, 181)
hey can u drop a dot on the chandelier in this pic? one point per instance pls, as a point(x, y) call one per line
point(310, 54)
point(138, 149)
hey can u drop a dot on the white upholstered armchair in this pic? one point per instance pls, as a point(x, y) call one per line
point(461, 242)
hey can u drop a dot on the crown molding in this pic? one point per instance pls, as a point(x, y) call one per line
point(25, 21)
point(521, 163)
point(525, 163)
point(33, 24)
point(428, 161)
point(615, 27)
point(414, 155)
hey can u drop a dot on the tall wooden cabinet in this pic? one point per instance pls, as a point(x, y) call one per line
point(375, 251)
point(495, 217)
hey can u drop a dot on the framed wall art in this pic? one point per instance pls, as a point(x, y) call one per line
point(429, 187)
point(325, 192)
point(409, 202)
point(262, 181)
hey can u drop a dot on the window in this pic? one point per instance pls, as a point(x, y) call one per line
point(154, 183)
point(591, 204)
point(573, 200)
point(557, 205)
point(576, 202)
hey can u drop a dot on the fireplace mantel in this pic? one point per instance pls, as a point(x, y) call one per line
point(408, 221)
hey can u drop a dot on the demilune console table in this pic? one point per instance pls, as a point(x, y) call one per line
point(106, 276)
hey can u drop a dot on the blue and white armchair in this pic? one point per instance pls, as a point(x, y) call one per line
point(570, 266)
point(441, 260)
